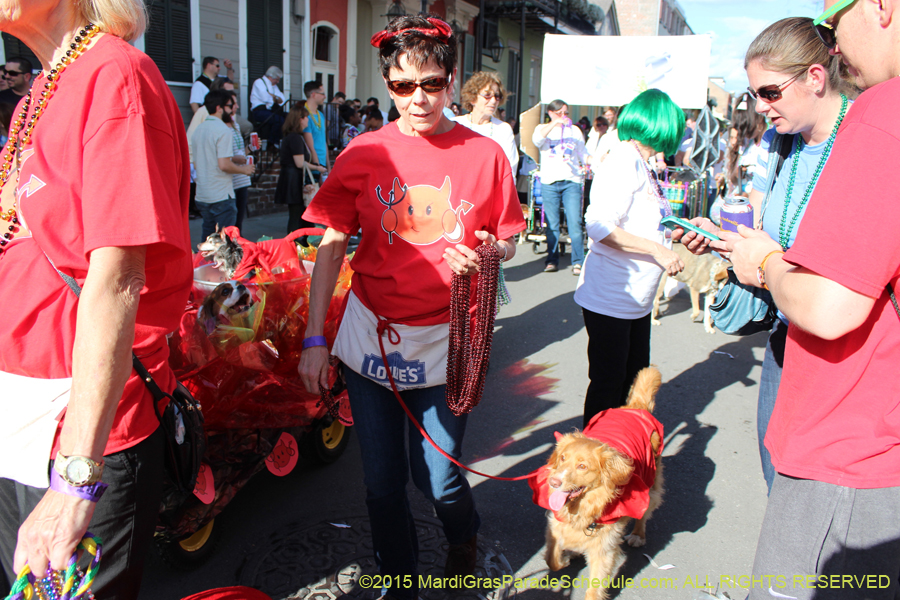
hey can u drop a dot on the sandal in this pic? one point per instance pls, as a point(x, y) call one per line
point(551, 268)
point(576, 270)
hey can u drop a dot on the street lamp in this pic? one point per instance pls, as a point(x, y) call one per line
point(396, 10)
point(497, 48)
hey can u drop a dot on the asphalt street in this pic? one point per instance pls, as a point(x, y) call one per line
point(289, 536)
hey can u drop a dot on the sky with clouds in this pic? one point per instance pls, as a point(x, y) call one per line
point(733, 24)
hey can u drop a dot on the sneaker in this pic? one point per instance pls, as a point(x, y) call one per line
point(461, 558)
point(551, 268)
point(576, 270)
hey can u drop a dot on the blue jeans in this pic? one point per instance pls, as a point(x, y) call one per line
point(768, 392)
point(223, 214)
point(381, 427)
point(569, 193)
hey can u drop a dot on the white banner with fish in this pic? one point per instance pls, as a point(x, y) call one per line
point(590, 70)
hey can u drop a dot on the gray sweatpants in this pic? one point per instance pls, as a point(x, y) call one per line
point(821, 542)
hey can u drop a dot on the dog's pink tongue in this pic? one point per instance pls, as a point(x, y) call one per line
point(558, 499)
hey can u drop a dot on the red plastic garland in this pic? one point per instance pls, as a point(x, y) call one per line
point(469, 355)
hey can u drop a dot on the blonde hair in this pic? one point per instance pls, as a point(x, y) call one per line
point(126, 19)
point(477, 82)
point(791, 46)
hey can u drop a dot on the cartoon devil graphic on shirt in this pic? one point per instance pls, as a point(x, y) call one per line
point(421, 214)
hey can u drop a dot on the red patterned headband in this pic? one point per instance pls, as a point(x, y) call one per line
point(441, 30)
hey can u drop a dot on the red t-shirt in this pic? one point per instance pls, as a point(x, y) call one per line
point(107, 167)
point(627, 431)
point(413, 197)
point(837, 417)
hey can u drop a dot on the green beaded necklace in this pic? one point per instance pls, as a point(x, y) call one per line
point(785, 236)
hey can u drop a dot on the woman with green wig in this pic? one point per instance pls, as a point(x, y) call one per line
point(629, 249)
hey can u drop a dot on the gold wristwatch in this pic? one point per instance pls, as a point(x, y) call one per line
point(78, 471)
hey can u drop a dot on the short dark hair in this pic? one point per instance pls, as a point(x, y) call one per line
point(219, 84)
point(310, 86)
point(207, 60)
point(556, 105)
point(371, 100)
point(339, 95)
point(418, 47)
point(393, 114)
point(346, 111)
point(216, 98)
point(23, 63)
point(374, 113)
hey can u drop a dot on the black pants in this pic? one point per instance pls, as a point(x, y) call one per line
point(296, 220)
point(241, 195)
point(617, 350)
point(124, 519)
point(272, 120)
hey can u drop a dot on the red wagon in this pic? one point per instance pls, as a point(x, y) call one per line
point(258, 414)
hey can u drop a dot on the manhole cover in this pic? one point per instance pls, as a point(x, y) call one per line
point(325, 562)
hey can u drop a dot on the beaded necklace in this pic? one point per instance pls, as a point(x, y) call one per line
point(784, 236)
point(13, 148)
point(664, 205)
point(312, 116)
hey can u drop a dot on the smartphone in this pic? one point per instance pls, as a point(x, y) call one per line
point(673, 222)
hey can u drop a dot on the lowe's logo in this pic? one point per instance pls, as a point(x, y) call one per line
point(409, 372)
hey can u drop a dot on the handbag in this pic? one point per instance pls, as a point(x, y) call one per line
point(741, 309)
point(309, 189)
point(181, 421)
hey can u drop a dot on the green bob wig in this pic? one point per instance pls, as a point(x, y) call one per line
point(654, 120)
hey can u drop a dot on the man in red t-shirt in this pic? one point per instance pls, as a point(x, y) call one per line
point(831, 528)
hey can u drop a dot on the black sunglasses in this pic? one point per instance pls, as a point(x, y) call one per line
point(771, 93)
point(826, 35)
point(14, 73)
point(402, 87)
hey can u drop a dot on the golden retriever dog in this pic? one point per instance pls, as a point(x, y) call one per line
point(594, 489)
point(704, 274)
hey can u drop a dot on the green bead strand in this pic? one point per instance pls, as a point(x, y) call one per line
point(785, 236)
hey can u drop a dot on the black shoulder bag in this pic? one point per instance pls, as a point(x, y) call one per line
point(742, 309)
point(181, 421)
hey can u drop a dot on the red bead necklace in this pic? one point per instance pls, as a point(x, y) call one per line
point(14, 148)
point(468, 356)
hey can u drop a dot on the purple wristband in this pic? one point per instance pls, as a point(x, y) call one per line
point(313, 341)
point(85, 492)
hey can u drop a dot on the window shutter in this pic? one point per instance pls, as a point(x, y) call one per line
point(275, 48)
point(168, 39)
point(264, 38)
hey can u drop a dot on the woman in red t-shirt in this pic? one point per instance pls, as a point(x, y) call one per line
point(422, 206)
point(95, 179)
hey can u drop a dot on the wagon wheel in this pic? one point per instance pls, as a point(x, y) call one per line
point(326, 442)
point(191, 551)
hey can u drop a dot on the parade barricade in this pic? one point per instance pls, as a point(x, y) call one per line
point(241, 365)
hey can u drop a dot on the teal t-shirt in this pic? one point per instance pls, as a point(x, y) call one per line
point(806, 161)
point(316, 126)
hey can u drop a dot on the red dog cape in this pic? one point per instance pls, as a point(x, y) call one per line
point(627, 431)
point(268, 254)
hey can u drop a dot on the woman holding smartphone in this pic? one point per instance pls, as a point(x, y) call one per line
point(797, 85)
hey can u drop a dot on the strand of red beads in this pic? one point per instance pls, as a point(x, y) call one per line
point(469, 352)
point(13, 148)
